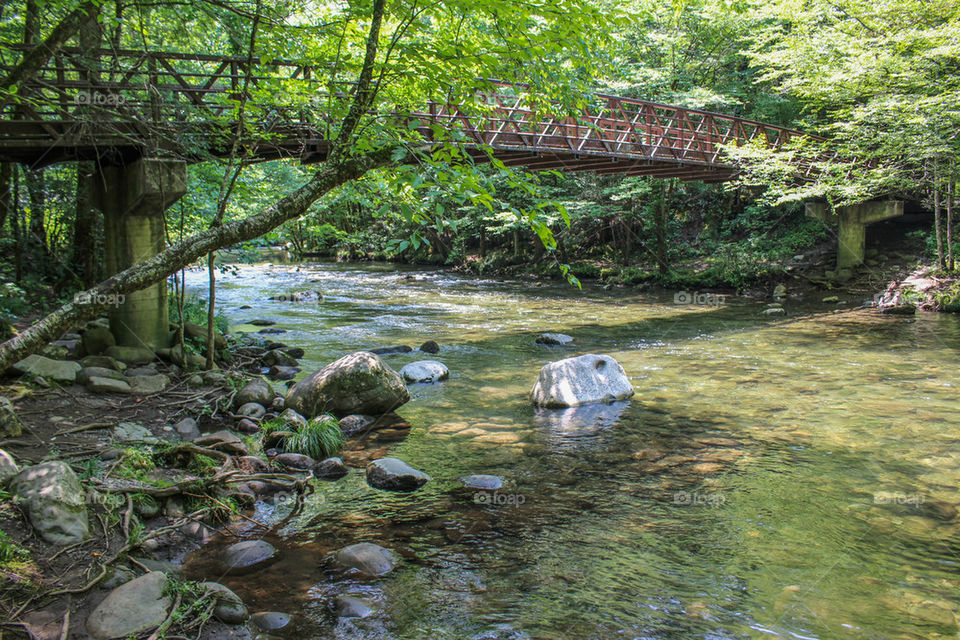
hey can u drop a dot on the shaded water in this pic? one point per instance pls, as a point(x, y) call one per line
point(771, 478)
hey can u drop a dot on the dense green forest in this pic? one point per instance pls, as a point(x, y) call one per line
point(877, 80)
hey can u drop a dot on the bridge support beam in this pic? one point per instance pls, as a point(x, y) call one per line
point(852, 225)
point(133, 198)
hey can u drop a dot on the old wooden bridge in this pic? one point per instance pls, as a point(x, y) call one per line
point(116, 106)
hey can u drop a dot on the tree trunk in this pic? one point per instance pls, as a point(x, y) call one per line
point(483, 240)
point(37, 234)
point(951, 185)
point(941, 262)
point(660, 223)
point(6, 171)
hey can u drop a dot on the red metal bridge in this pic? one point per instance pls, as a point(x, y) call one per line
point(114, 106)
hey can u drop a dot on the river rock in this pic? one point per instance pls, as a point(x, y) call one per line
point(430, 347)
point(59, 370)
point(352, 607)
point(105, 362)
point(247, 426)
point(256, 390)
point(8, 468)
point(148, 370)
point(177, 356)
point(54, 501)
point(386, 351)
point(554, 339)
point(130, 355)
point(357, 383)
point(96, 340)
point(581, 380)
point(393, 474)
point(367, 558)
point(425, 371)
point(132, 608)
point(775, 311)
point(355, 423)
point(899, 310)
point(10, 425)
point(187, 429)
point(330, 469)
point(228, 607)
point(482, 482)
point(295, 461)
point(223, 441)
point(292, 419)
point(215, 378)
point(283, 373)
point(107, 385)
point(247, 556)
point(199, 334)
point(132, 432)
point(278, 357)
point(148, 384)
point(252, 410)
point(85, 374)
point(261, 322)
point(270, 620)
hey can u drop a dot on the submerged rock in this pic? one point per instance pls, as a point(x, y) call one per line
point(393, 474)
point(357, 383)
point(355, 423)
point(247, 556)
point(132, 608)
point(387, 351)
point(425, 371)
point(54, 501)
point(581, 380)
point(270, 620)
point(353, 607)
point(482, 482)
point(367, 558)
point(555, 339)
point(430, 347)
point(330, 469)
point(295, 461)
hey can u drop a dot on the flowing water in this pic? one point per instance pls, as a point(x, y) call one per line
point(772, 478)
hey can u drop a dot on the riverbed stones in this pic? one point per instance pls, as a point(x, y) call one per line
point(481, 482)
point(295, 461)
point(256, 390)
point(430, 347)
point(107, 385)
point(132, 432)
point(249, 555)
point(278, 357)
point(775, 311)
point(96, 340)
point(58, 370)
point(393, 474)
point(148, 384)
point(247, 426)
point(8, 468)
point(356, 383)
point(54, 502)
point(85, 374)
point(554, 339)
point(223, 441)
point(262, 322)
point(252, 410)
point(581, 380)
point(132, 608)
point(105, 362)
point(280, 372)
point(353, 607)
point(425, 372)
point(10, 425)
point(366, 558)
point(355, 423)
point(389, 351)
point(130, 355)
point(187, 429)
point(292, 419)
point(330, 469)
point(228, 606)
point(270, 620)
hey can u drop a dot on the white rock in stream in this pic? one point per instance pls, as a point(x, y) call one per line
point(581, 380)
point(425, 371)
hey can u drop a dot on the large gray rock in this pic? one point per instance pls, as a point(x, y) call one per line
point(133, 432)
point(84, 375)
point(107, 385)
point(132, 608)
point(96, 340)
point(425, 371)
point(9, 468)
point(54, 501)
point(251, 410)
point(278, 358)
point(392, 474)
point(59, 370)
point(256, 390)
point(581, 380)
point(367, 558)
point(104, 362)
point(148, 384)
point(292, 419)
point(355, 423)
point(187, 429)
point(330, 469)
point(130, 355)
point(10, 425)
point(228, 606)
point(270, 620)
point(357, 383)
point(482, 482)
point(247, 556)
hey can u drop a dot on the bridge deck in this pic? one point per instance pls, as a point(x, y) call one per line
point(117, 105)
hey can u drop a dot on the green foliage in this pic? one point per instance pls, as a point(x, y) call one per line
point(136, 464)
point(203, 465)
point(10, 552)
point(195, 312)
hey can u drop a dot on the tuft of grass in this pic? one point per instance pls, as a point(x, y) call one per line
point(136, 464)
point(319, 439)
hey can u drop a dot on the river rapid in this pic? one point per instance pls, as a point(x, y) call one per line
point(773, 477)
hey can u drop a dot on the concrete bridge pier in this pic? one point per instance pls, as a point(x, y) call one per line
point(133, 198)
point(852, 225)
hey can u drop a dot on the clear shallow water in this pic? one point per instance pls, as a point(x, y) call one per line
point(771, 478)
